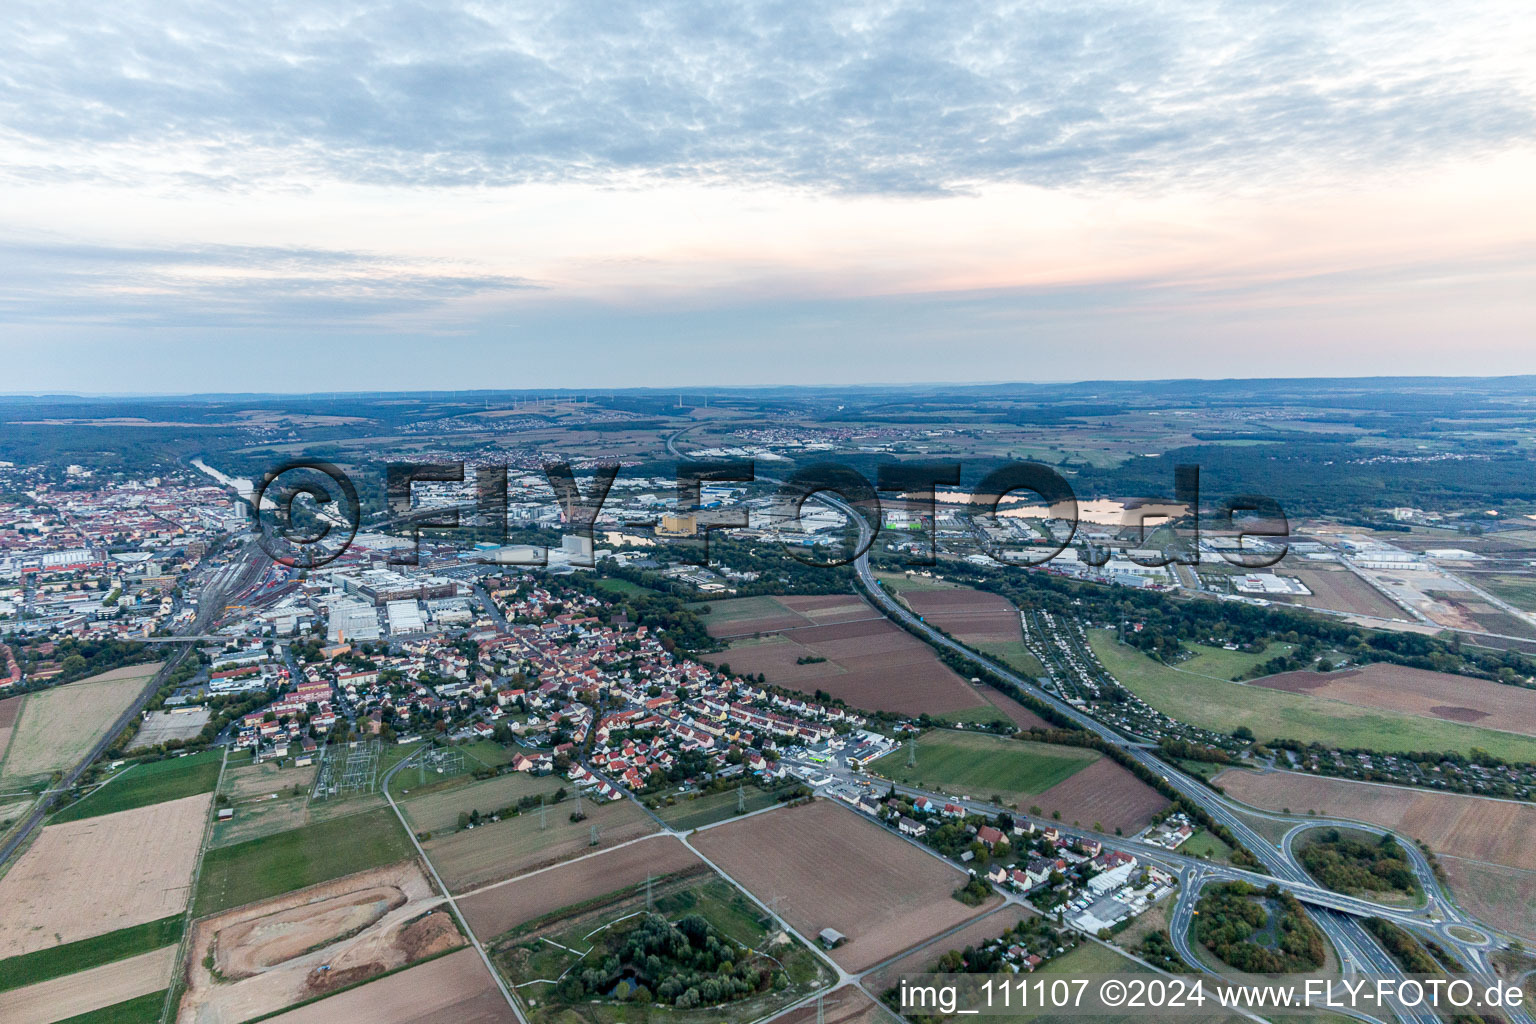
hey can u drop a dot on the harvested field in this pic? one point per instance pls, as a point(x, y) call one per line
point(9, 709)
point(749, 616)
point(1419, 692)
point(1502, 897)
point(91, 989)
point(517, 845)
point(923, 961)
point(1474, 827)
point(59, 725)
point(164, 726)
point(825, 609)
point(1341, 590)
point(1017, 713)
point(1104, 794)
point(871, 664)
point(971, 616)
point(832, 869)
point(500, 908)
point(89, 877)
point(265, 956)
point(439, 810)
point(456, 987)
point(846, 1005)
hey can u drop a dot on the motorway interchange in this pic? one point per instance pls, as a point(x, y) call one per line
point(1335, 914)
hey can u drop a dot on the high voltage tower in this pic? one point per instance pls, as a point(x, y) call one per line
point(578, 812)
point(649, 903)
point(543, 813)
point(593, 840)
point(741, 799)
point(912, 752)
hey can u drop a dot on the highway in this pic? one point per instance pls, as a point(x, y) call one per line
point(1358, 951)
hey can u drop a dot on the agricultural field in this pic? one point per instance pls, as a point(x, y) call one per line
point(57, 726)
point(257, 869)
point(261, 958)
point(86, 878)
point(59, 961)
point(436, 807)
point(515, 845)
point(582, 939)
point(750, 616)
point(697, 810)
point(1472, 827)
point(829, 868)
point(846, 1005)
point(1418, 692)
point(1499, 896)
point(164, 726)
point(980, 765)
point(972, 616)
point(1105, 796)
point(456, 987)
point(1212, 703)
point(923, 961)
point(143, 784)
point(10, 708)
point(92, 989)
point(499, 908)
point(869, 663)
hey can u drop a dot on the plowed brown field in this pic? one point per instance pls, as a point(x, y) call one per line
point(1498, 831)
point(1105, 794)
point(96, 875)
point(1419, 692)
point(456, 988)
point(973, 616)
point(502, 907)
point(830, 868)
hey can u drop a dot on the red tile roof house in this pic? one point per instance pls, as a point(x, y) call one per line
point(989, 835)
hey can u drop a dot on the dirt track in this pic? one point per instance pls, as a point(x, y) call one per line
point(267, 956)
point(93, 876)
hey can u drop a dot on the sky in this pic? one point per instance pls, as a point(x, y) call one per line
point(337, 196)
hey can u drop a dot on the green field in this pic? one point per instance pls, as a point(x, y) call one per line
point(1220, 663)
point(1204, 844)
point(1519, 591)
point(154, 783)
point(57, 961)
point(487, 752)
point(1012, 653)
point(712, 807)
point(622, 588)
point(145, 1009)
point(978, 765)
point(1213, 703)
point(233, 876)
point(984, 715)
point(437, 806)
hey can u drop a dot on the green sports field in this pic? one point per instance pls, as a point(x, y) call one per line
point(1211, 702)
point(979, 766)
point(145, 784)
point(233, 876)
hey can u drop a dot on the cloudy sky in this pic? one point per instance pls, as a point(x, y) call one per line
point(202, 196)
